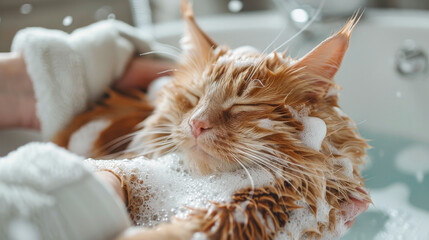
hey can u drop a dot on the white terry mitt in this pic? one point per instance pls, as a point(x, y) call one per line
point(48, 193)
point(69, 71)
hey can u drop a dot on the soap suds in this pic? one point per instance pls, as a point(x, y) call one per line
point(332, 92)
point(199, 236)
point(314, 132)
point(243, 50)
point(340, 112)
point(265, 123)
point(347, 167)
point(405, 221)
point(302, 219)
point(314, 128)
point(165, 186)
point(414, 160)
point(238, 61)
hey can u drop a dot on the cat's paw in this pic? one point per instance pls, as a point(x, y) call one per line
point(352, 210)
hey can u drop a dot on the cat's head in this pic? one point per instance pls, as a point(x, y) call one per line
point(227, 109)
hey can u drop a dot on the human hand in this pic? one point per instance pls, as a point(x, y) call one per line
point(141, 72)
point(114, 181)
point(17, 99)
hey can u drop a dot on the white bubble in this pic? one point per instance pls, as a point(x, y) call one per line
point(398, 94)
point(26, 8)
point(168, 191)
point(300, 15)
point(103, 13)
point(21, 229)
point(111, 16)
point(235, 5)
point(414, 160)
point(68, 20)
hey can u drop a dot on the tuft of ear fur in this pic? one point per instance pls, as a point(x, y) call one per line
point(195, 43)
point(325, 59)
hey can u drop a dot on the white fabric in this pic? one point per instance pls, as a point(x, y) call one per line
point(70, 70)
point(47, 193)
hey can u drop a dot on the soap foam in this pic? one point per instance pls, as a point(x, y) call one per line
point(347, 167)
point(314, 132)
point(414, 160)
point(314, 128)
point(238, 61)
point(302, 219)
point(405, 221)
point(165, 186)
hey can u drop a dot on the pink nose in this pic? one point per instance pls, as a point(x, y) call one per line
point(197, 127)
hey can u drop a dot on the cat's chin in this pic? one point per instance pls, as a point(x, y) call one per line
point(203, 163)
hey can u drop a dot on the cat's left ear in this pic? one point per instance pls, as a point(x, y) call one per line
point(326, 58)
point(195, 42)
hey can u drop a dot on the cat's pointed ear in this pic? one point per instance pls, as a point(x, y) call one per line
point(325, 59)
point(195, 42)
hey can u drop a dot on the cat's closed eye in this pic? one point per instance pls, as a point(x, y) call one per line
point(250, 108)
point(193, 98)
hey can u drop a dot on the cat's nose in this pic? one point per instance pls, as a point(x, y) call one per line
point(198, 127)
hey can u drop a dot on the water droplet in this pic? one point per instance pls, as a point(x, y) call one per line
point(23, 229)
point(111, 16)
point(420, 176)
point(299, 15)
point(26, 8)
point(103, 13)
point(398, 94)
point(68, 20)
point(235, 5)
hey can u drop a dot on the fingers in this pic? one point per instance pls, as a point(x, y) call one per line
point(17, 100)
point(141, 72)
point(114, 181)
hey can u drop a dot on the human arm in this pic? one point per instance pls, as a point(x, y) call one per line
point(71, 71)
point(17, 99)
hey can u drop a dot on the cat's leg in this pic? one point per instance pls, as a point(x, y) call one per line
point(352, 210)
point(107, 127)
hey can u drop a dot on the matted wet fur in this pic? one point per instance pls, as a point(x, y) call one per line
point(253, 106)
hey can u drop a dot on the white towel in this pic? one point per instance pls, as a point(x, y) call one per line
point(47, 193)
point(69, 71)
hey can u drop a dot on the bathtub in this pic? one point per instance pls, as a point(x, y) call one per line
point(390, 108)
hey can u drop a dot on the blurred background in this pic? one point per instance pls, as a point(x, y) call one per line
point(68, 15)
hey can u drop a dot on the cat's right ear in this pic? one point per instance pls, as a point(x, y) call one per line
point(195, 43)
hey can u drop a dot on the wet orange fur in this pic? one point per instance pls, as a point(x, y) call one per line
point(233, 99)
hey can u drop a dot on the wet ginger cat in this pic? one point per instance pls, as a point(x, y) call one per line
point(228, 109)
